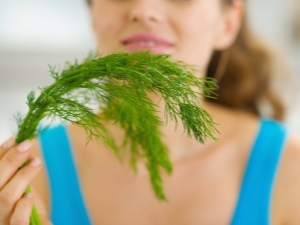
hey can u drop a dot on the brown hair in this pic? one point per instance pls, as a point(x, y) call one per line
point(244, 73)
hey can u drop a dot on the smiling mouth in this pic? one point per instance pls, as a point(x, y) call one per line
point(143, 43)
point(146, 42)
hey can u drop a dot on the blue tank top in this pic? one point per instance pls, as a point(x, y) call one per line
point(254, 201)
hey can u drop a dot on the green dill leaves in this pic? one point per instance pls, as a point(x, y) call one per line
point(119, 83)
point(30, 99)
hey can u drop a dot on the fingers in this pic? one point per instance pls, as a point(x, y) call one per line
point(22, 212)
point(15, 188)
point(12, 159)
point(15, 209)
point(6, 146)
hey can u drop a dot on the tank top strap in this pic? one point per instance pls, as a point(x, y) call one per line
point(253, 206)
point(67, 204)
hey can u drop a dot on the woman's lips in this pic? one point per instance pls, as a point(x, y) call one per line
point(141, 42)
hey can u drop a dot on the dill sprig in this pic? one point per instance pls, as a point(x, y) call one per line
point(120, 83)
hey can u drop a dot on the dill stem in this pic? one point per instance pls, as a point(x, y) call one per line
point(27, 131)
point(34, 217)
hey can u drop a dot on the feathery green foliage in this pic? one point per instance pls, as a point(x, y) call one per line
point(120, 84)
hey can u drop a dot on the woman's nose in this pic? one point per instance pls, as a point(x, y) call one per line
point(148, 12)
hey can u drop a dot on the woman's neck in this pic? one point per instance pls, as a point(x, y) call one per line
point(174, 136)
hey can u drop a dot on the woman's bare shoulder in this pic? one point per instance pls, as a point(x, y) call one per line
point(287, 188)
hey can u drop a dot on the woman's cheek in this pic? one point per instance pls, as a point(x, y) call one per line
point(105, 33)
point(195, 46)
point(198, 42)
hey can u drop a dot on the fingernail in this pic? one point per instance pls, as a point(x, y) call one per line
point(24, 146)
point(28, 195)
point(9, 143)
point(35, 162)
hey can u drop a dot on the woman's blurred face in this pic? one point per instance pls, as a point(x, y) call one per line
point(188, 29)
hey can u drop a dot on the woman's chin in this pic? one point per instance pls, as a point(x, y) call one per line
point(151, 49)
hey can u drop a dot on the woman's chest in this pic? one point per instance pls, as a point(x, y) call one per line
point(196, 194)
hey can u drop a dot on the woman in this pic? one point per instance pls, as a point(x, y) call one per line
point(250, 176)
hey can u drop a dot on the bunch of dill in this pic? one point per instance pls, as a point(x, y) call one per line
point(120, 84)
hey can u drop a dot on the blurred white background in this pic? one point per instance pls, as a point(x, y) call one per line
point(34, 33)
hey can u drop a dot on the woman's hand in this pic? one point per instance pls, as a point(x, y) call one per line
point(15, 208)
